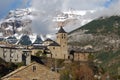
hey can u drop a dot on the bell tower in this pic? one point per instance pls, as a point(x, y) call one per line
point(62, 41)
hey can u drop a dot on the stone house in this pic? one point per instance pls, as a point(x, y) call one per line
point(15, 54)
point(34, 71)
point(39, 50)
point(79, 55)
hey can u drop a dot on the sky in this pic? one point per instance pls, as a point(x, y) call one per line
point(46, 9)
point(7, 5)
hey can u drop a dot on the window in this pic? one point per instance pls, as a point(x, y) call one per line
point(11, 55)
point(4, 55)
point(34, 68)
point(4, 50)
point(53, 47)
point(11, 51)
point(34, 79)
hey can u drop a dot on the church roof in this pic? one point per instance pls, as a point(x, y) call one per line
point(48, 39)
point(61, 30)
point(54, 44)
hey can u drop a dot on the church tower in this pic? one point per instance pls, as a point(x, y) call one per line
point(62, 41)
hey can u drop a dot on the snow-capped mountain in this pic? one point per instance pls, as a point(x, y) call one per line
point(72, 19)
point(17, 21)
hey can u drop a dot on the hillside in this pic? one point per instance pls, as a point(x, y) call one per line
point(102, 25)
point(106, 31)
point(103, 36)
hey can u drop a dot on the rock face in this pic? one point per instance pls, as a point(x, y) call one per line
point(101, 34)
point(16, 22)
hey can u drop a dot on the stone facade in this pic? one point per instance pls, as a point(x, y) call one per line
point(15, 55)
point(62, 40)
point(59, 49)
point(34, 71)
point(55, 52)
point(79, 56)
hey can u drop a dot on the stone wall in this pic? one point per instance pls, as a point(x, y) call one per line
point(79, 56)
point(34, 71)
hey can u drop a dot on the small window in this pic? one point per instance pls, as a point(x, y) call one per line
point(11, 55)
point(4, 50)
point(4, 55)
point(53, 47)
point(11, 51)
point(34, 68)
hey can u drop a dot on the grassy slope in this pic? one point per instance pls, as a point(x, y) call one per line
point(100, 25)
point(110, 60)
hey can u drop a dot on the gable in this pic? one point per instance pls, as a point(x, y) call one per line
point(33, 71)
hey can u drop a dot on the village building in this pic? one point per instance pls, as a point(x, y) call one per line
point(34, 71)
point(15, 54)
point(58, 49)
point(55, 49)
point(82, 55)
point(79, 56)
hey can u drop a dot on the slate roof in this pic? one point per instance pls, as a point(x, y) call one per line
point(38, 40)
point(1, 39)
point(12, 40)
point(40, 47)
point(54, 44)
point(48, 39)
point(61, 30)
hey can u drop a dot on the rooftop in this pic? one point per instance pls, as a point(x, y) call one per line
point(61, 30)
point(48, 39)
point(54, 44)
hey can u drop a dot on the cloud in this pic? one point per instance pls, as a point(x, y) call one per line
point(47, 9)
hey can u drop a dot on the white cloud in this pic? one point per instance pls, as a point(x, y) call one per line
point(48, 8)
